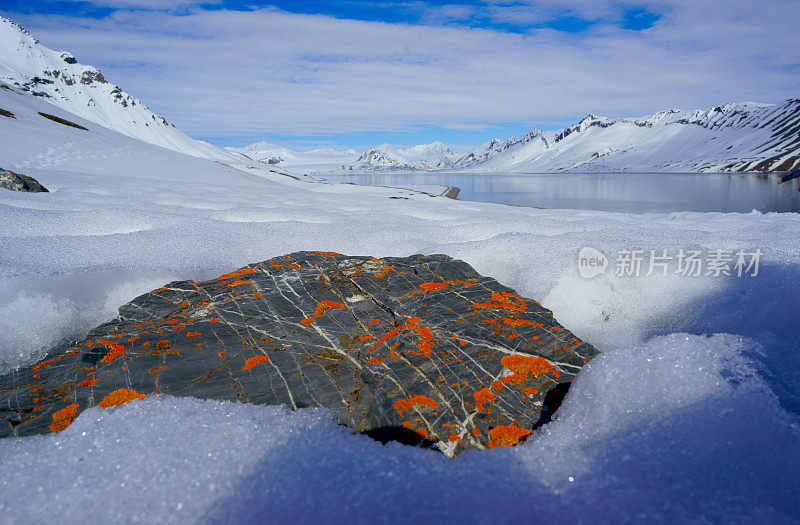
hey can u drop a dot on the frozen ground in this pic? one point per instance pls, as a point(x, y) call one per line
point(671, 422)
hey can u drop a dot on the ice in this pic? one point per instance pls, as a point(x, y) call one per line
point(670, 422)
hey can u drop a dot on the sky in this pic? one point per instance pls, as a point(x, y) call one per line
point(359, 73)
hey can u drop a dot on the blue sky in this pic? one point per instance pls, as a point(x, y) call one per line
point(357, 73)
point(472, 14)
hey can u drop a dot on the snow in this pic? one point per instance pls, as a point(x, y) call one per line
point(422, 157)
point(26, 64)
point(745, 136)
point(663, 424)
point(733, 137)
point(678, 429)
point(311, 161)
point(691, 413)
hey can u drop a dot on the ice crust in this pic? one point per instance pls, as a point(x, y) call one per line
point(669, 423)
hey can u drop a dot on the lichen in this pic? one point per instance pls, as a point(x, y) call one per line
point(64, 417)
point(120, 396)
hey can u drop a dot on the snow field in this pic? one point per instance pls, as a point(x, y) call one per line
point(671, 422)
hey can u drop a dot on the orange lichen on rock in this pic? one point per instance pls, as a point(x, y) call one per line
point(507, 435)
point(163, 345)
point(482, 398)
point(426, 341)
point(307, 321)
point(46, 364)
point(323, 306)
point(88, 382)
point(240, 282)
point(403, 405)
point(374, 322)
point(236, 274)
point(425, 344)
point(64, 417)
point(505, 301)
point(520, 322)
point(120, 396)
point(476, 432)
point(523, 366)
point(453, 438)
point(385, 270)
point(257, 295)
point(329, 254)
point(432, 287)
point(253, 361)
point(114, 350)
point(193, 334)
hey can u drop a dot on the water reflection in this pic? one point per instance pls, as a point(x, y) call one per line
point(622, 192)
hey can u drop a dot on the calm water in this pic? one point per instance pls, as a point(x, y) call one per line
point(623, 192)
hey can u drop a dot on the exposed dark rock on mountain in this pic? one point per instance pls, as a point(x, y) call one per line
point(62, 121)
point(421, 346)
point(14, 181)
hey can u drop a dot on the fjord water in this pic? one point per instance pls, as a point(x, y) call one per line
point(613, 192)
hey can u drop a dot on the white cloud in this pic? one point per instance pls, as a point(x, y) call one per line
point(267, 72)
point(156, 5)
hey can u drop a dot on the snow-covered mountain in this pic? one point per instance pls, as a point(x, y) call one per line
point(312, 160)
point(265, 152)
point(734, 137)
point(432, 156)
point(56, 76)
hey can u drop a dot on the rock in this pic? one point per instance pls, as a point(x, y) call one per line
point(421, 347)
point(14, 181)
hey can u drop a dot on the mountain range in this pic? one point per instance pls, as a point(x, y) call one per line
point(734, 137)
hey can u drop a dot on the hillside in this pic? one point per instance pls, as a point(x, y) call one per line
point(733, 137)
point(57, 77)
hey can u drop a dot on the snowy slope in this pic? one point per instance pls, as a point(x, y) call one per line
point(422, 157)
point(668, 424)
point(734, 137)
point(315, 160)
point(27, 65)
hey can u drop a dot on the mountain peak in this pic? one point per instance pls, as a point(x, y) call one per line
point(61, 80)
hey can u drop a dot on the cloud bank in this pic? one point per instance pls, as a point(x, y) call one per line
point(238, 76)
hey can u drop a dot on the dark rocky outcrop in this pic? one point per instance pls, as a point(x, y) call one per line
point(62, 121)
point(14, 181)
point(398, 348)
